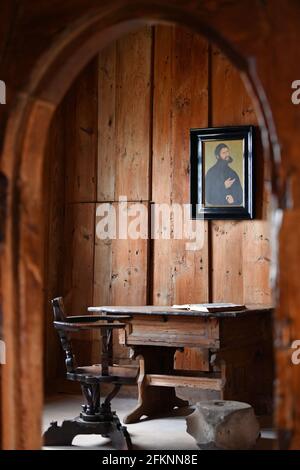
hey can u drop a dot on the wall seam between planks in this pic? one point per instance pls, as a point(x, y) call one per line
point(97, 113)
point(209, 222)
point(150, 245)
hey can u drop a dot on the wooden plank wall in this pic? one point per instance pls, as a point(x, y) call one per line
point(240, 249)
point(54, 253)
point(180, 103)
point(123, 130)
point(121, 266)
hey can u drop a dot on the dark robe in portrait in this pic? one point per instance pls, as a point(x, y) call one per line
point(215, 191)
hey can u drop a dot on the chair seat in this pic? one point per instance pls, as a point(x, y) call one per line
point(126, 375)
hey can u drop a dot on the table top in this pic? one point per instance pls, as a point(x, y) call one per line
point(168, 310)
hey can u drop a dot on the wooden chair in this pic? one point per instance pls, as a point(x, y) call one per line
point(95, 418)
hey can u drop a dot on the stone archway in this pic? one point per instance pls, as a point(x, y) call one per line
point(23, 164)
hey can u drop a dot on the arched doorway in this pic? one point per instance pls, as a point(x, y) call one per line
point(23, 164)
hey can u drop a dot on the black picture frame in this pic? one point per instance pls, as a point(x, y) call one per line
point(201, 209)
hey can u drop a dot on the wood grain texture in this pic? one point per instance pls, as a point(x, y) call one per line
point(124, 113)
point(72, 148)
point(124, 118)
point(78, 271)
point(52, 30)
point(81, 136)
point(133, 99)
point(79, 246)
point(120, 274)
point(54, 252)
point(288, 328)
point(240, 249)
point(180, 103)
point(240, 353)
point(106, 155)
point(186, 95)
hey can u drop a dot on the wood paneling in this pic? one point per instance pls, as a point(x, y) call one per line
point(127, 120)
point(106, 174)
point(81, 140)
point(240, 249)
point(180, 103)
point(54, 255)
point(79, 257)
point(79, 239)
point(81, 136)
point(124, 118)
point(266, 32)
point(133, 115)
point(72, 149)
point(121, 266)
point(120, 273)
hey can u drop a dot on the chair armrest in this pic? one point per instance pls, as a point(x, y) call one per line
point(72, 326)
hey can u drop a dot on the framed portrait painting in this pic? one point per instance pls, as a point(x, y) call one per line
point(221, 176)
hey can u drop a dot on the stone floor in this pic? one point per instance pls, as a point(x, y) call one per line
point(164, 433)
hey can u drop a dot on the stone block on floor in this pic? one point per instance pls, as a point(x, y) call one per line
point(221, 424)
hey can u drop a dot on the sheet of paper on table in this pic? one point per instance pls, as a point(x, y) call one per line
point(212, 307)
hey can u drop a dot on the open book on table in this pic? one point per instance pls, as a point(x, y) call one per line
point(212, 307)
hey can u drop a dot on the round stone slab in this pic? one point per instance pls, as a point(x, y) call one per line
point(223, 424)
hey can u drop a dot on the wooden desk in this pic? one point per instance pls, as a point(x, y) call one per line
point(239, 345)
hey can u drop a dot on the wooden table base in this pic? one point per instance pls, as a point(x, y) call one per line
point(154, 401)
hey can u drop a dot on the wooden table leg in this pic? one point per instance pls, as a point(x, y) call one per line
point(154, 400)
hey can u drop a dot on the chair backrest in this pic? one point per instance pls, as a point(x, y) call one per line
point(58, 309)
point(59, 315)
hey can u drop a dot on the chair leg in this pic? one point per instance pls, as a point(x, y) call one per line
point(94, 419)
point(119, 436)
point(111, 395)
point(63, 435)
point(91, 409)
